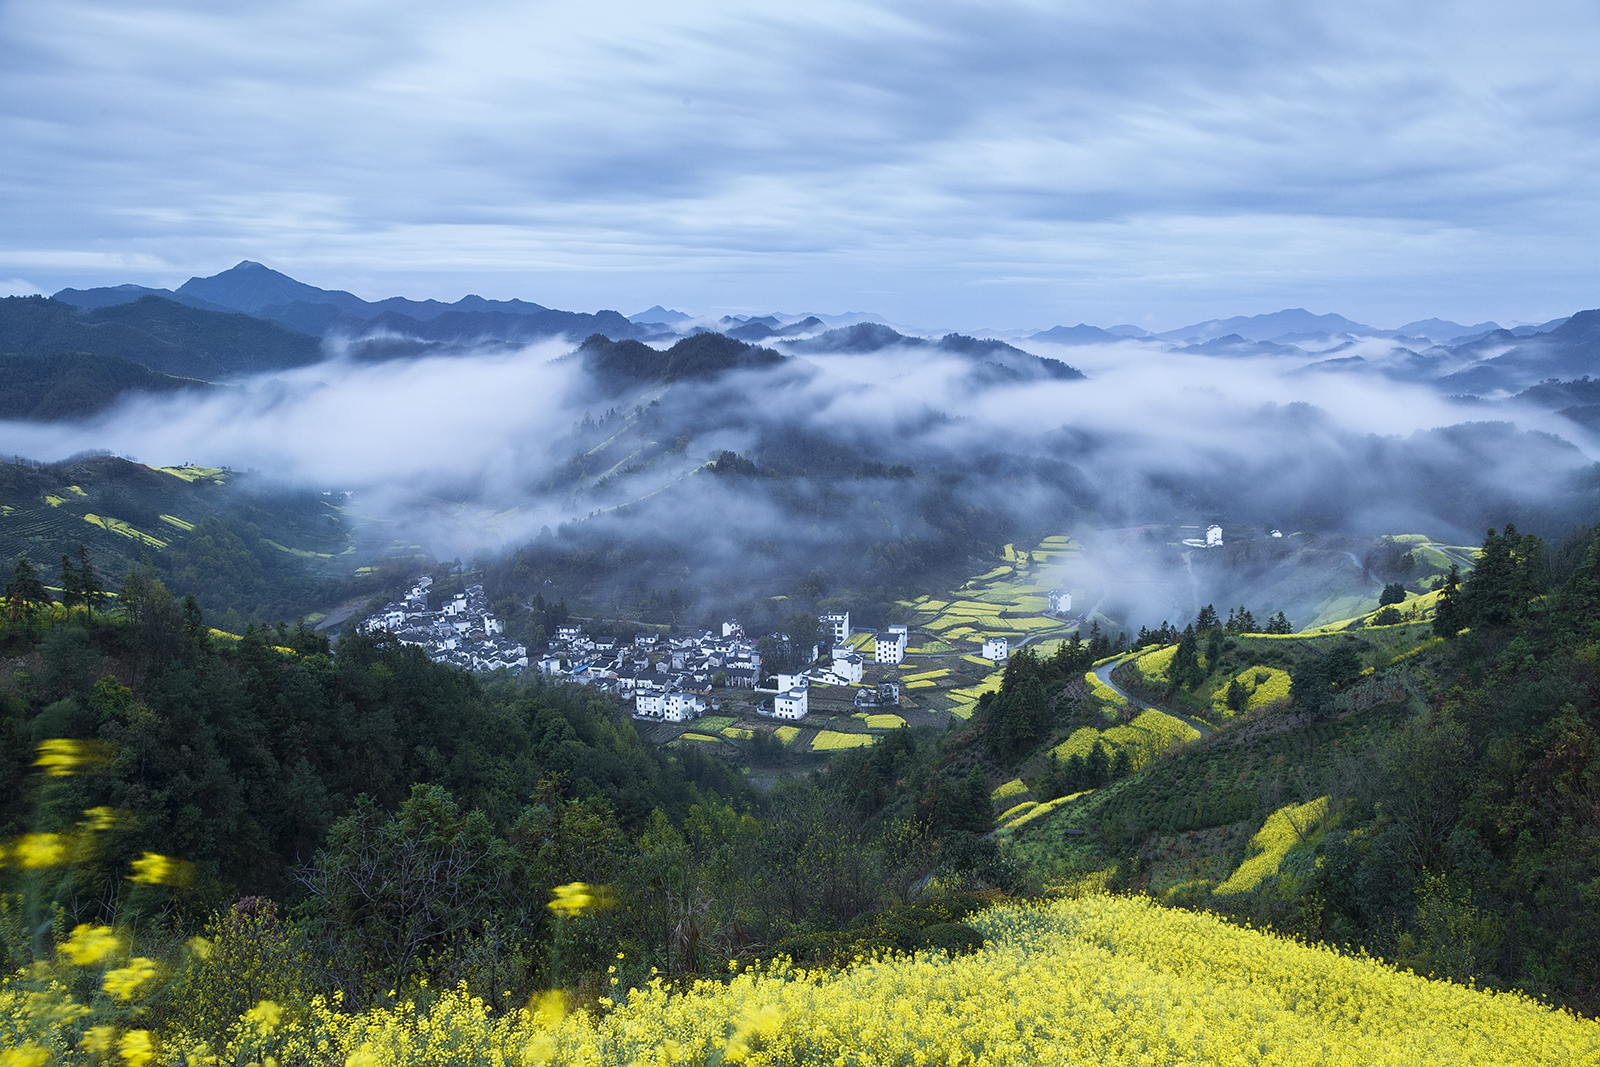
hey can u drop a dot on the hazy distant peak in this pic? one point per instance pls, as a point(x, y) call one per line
point(1445, 330)
point(1081, 334)
point(1266, 327)
point(657, 313)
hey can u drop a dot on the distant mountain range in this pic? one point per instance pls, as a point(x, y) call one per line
point(251, 319)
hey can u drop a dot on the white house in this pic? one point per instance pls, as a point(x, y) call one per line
point(492, 626)
point(731, 628)
point(787, 682)
point(1213, 536)
point(890, 647)
point(550, 665)
point(838, 624)
point(996, 649)
point(667, 707)
point(568, 633)
point(847, 668)
point(792, 704)
point(1060, 601)
point(1277, 533)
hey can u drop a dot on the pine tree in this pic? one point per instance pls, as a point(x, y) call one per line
point(25, 592)
point(70, 594)
point(1448, 617)
point(93, 594)
point(1185, 670)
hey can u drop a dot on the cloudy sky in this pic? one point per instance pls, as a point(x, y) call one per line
point(963, 165)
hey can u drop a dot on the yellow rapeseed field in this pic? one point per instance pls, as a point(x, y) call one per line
point(829, 740)
point(1100, 980)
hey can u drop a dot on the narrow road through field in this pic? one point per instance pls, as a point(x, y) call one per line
point(1103, 672)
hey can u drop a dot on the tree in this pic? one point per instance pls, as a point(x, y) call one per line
point(1097, 767)
point(25, 592)
point(1393, 593)
point(70, 595)
point(1449, 617)
point(1185, 670)
point(1279, 624)
point(1208, 619)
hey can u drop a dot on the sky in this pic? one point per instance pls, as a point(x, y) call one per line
point(997, 165)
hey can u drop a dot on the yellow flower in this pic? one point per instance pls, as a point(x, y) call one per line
point(91, 944)
point(102, 818)
point(200, 947)
point(265, 1015)
point(574, 898)
point(35, 851)
point(124, 982)
point(362, 1057)
point(98, 1039)
point(61, 757)
point(152, 869)
point(24, 1056)
point(136, 1048)
point(549, 1008)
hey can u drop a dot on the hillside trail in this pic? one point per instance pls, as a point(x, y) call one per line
point(1103, 672)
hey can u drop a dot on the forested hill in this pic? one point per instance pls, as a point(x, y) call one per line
point(164, 336)
point(245, 549)
point(75, 384)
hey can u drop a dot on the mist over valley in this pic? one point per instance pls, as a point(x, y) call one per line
point(720, 463)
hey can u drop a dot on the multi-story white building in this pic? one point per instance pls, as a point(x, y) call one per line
point(847, 667)
point(890, 646)
point(1060, 601)
point(836, 623)
point(1213, 536)
point(667, 707)
point(792, 704)
point(997, 649)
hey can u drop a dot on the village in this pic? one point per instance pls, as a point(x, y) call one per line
point(672, 679)
point(462, 632)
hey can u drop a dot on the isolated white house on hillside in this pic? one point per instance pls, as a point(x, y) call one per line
point(997, 649)
point(1060, 601)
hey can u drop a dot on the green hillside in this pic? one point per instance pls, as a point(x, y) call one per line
point(244, 551)
point(166, 337)
point(75, 384)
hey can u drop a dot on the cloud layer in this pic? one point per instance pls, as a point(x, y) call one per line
point(952, 164)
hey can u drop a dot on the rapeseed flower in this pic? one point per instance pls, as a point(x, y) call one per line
point(90, 944)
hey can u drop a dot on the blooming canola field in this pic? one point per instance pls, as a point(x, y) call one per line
point(1099, 980)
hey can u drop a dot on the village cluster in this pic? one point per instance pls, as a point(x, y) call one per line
point(462, 631)
point(669, 679)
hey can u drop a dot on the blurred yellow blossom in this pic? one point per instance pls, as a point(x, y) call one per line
point(61, 756)
point(264, 1015)
point(35, 851)
point(91, 944)
point(153, 869)
point(24, 1056)
point(124, 982)
point(136, 1048)
point(102, 818)
point(98, 1039)
point(574, 898)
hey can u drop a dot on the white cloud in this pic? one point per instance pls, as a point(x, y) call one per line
point(941, 162)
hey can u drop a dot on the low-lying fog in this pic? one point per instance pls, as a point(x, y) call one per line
point(477, 451)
